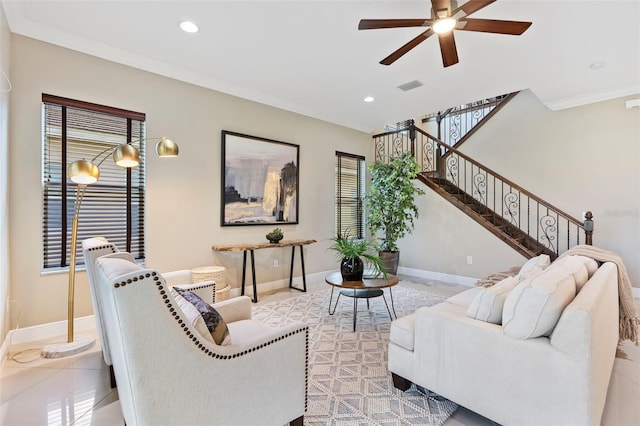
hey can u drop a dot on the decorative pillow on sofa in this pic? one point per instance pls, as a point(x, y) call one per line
point(205, 319)
point(533, 266)
point(581, 267)
point(534, 306)
point(488, 303)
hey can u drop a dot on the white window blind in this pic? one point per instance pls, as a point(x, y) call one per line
point(113, 207)
point(350, 191)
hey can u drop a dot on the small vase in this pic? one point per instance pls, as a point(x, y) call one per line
point(274, 240)
point(351, 269)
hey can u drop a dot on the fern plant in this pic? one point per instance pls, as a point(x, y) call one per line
point(351, 248)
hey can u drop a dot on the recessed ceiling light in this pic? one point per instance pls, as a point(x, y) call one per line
point(369, 99)
point(189, 27)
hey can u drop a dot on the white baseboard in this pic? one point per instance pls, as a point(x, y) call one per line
point(43, 332)
point(49, 330)
point(636, 292)
point(438, 276)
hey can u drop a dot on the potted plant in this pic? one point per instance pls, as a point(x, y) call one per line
point(275, 236)
point(391, 206)
point(350, 251)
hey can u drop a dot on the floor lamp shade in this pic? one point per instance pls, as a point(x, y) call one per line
point(167, 148)
point(83, 172)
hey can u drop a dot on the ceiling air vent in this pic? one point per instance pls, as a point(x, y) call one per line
point(410, 85)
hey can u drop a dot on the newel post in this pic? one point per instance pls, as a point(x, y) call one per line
point(588, 228)
point(412, 136)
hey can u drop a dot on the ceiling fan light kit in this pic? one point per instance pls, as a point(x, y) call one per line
point(444, 22)
point(443, 25)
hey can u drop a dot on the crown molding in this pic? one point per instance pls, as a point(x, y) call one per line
point(593, 97)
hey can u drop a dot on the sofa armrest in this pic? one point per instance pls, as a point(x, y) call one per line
point(234, 309)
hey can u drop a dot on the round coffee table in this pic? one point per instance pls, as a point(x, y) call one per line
point(365, 289)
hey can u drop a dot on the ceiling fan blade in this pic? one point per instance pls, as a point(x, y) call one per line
point(448, 49)
point(493, 26)
point(373, 24)
point(470, 7)
point(407, 47)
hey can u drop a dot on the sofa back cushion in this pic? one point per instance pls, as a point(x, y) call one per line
point(488, 303)
point(534, 306)
point(533, 267)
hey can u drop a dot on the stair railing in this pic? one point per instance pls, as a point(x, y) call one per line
point(505, 203)
point(456, 125)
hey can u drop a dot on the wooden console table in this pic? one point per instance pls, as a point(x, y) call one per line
point(250, 247)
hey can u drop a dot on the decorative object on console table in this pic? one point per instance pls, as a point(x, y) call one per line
point(391, 204)
point(216, 274)
point(84, 173)
point(275, 236)
point(349, 252)
point(251, 247)
point(259, 181)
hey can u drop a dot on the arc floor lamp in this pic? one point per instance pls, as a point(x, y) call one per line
point(84, 173)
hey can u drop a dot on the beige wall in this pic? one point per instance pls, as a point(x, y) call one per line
point(183, 194)
point(579, 159)
point(5, 50)
point(183, 210)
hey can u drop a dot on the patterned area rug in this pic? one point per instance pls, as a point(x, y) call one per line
point(349, 383)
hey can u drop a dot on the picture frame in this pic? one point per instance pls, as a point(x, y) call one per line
point(260, 181)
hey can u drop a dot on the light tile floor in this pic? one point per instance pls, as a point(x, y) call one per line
point(76, 391)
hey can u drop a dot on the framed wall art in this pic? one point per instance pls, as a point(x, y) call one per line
point(259, 181)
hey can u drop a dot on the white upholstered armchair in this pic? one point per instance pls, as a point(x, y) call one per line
point(169, 373)
point(96, 247)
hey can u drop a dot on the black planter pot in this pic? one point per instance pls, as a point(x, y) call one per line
point(351, 269)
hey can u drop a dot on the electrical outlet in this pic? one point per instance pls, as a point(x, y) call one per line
point(275, 263)
point(469, 260)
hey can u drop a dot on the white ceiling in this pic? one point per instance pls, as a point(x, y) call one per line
point(308, 56)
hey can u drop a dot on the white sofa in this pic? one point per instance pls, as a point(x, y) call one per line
point(170, 373)
point(556, 379)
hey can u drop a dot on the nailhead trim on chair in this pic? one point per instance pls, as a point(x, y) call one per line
point(111, 246)
point(204, 284)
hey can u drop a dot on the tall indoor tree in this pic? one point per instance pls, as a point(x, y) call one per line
point(391, 207)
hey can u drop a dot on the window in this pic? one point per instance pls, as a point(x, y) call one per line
point(350, 191)
point(114, 206)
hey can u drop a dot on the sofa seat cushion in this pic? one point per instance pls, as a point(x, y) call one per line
point(534, 306)
point(488, 303)
point(464, 298)
point(247, 331)
point(403, 331)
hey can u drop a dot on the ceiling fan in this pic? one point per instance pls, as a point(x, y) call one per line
point(446, 17)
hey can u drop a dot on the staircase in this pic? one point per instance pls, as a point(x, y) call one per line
point(522, 220)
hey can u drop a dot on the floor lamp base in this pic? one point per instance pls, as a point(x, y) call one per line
point(61, 350)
